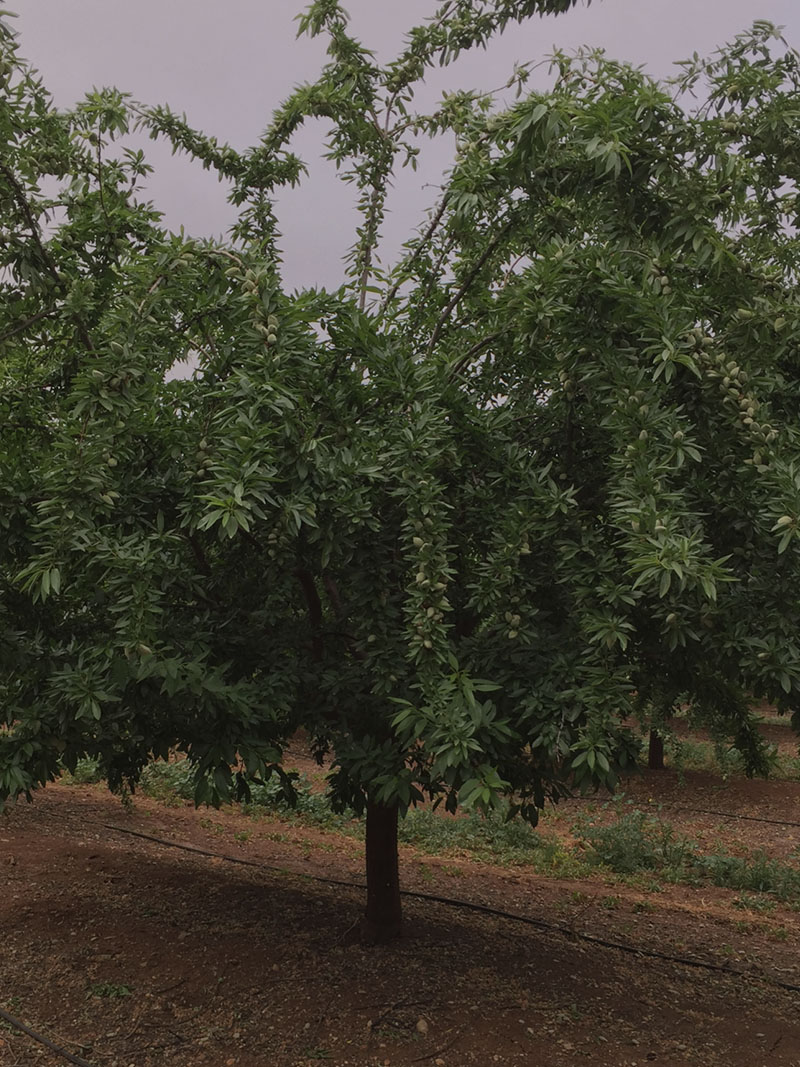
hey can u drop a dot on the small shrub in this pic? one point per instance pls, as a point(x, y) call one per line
point(87, 772)
point(168, 781)
point(310, 807)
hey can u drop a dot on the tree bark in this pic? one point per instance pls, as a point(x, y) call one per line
point(382, 920)
point(655, 752)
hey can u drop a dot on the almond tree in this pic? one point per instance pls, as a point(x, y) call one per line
point(461, 519)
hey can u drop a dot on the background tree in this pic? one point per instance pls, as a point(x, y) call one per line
point(459, 521)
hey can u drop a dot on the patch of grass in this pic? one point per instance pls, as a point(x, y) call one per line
point(490, 838)
point(757, 873)
point(639, 842)
point(311, 808)
point(691, 755)
point(640, 847)
point(750, 903)
point(429, 831)
point(788, 767)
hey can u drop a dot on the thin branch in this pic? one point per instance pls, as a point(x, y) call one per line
point(437, 218)
point(464, 287)
point(437, 1052)
point(200, 557)
point(150, 291)
point(473, 351)
point(22, 326)
point(370, 241)
point(101, 188)
point(22, 201)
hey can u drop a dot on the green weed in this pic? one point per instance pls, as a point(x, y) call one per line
point(109, 989)
point(750, 903)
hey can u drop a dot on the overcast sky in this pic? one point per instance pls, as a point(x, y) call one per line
point(228, 64)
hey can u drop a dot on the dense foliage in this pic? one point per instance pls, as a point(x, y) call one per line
point(463, 520)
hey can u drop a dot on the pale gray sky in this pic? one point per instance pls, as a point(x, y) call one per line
point(227, 65)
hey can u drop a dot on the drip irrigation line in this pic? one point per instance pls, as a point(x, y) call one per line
point(18, 1025)
point(705, 811)
point(733, 815)
point(483, 909)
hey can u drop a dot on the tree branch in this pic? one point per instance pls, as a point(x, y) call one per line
point(22, 326)
point(22, 201)
point(473, 351)
point(464, 287)
point(437, 218)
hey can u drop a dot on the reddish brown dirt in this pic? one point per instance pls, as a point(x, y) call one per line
point(128, 952)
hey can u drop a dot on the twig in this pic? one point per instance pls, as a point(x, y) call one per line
point(404, 1003)
point(370, 237)
point(169, 988)
point(100, 182)
point(22, 201)
point(439, 1051)
point(138, 1020)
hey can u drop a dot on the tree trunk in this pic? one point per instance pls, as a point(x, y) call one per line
point(655, 752)
point(382, 919)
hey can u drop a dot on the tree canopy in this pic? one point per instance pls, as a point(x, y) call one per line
point(463, 520)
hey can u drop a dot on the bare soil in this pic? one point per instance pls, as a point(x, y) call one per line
point(124, 951)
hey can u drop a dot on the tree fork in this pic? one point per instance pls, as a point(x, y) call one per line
point(382, 920)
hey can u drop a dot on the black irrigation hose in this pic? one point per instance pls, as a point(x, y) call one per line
point(484, 909)
point(18, 1025)
point(733, 815)
point(704, 811)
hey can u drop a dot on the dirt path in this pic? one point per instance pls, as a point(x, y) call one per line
point(128, 952)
